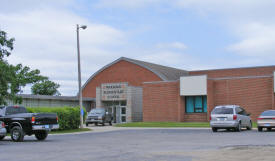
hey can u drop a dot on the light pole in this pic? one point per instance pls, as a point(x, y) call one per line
point(79, 74)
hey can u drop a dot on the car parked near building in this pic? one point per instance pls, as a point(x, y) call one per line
point(3, 130)
point(230, 117)
point(266, 120)
point(99, 115)
point(19, 122)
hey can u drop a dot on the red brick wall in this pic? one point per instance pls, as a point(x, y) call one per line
point(237, 72)
point(161, 101)
point(195, 117)
point(122, 71)
point(253, 94)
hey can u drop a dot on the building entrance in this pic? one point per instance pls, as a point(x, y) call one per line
point(117, 109)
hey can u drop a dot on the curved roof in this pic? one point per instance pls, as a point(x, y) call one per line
point(164, 72)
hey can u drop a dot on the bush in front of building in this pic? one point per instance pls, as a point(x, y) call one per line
point(68, 117)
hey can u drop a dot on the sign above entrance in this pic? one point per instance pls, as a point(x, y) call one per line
point(114, 91)
point(193, 85)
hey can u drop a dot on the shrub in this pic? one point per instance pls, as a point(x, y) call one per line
point(68, 117)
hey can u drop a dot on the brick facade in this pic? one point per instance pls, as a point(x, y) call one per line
point(253, 94)
point(161, 101)
point(121, 71)
point(251, 88)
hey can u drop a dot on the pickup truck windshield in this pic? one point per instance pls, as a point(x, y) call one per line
point(97, 111)
point(14, 110)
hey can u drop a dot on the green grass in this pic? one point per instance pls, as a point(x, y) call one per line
point(165, 124)
point(69, 131)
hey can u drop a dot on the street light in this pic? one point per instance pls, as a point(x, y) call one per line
point(79, 73)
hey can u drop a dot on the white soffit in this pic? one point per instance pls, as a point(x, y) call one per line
point(193, 85)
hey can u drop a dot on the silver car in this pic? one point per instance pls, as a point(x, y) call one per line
point(266, 120)
point(3, 130)
point(230, 117)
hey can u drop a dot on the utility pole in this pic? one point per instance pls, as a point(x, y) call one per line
point(79, 73)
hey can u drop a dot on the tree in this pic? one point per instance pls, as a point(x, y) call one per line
point(6, 45)
point(46, 87)
point(14, 77)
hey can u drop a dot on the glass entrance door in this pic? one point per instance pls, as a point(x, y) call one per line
point(118, 110)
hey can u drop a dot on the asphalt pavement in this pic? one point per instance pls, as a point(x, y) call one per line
point(143, 144)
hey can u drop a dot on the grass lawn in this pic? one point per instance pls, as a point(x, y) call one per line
point(165, 124)
point(70, 131)
point(168, 124)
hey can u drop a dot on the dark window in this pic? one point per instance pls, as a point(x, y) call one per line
point(222, 110)
point(123, 110)
point(268, 113)
point(195, 104)
point(123, 103)
point(123, 118)
point(14, 110)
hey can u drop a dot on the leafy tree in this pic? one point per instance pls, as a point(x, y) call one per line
point(14, 77)
point(46, 87)
point(6, 45)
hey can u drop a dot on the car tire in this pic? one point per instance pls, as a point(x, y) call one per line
point(214, 129)
point(103, 123)
point(87, 124)
point(250, 126)
point(17, 134)
point(110, 123)
point(260, 129)
point(238, 128)
point(2, 137)
point(96, 124)
point(269, 129)
point(41, 135)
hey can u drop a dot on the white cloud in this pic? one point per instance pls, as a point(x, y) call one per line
point(252, 22)
point(256, 40)
point(127, 4)
point(172, 45)
point(46, 40)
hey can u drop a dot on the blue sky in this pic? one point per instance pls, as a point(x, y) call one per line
point(186, 34)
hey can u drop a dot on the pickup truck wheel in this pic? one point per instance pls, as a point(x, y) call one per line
point(41, 135)
point(17, 134)
point(2, 137)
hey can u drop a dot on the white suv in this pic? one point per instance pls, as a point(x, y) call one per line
point(229, 117)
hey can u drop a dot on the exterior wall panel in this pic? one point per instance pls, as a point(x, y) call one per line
point(161, 101)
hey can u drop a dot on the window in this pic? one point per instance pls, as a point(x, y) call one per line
point(222, 110)
point(195, 104)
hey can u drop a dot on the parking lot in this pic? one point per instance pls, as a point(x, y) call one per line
point(144, 145)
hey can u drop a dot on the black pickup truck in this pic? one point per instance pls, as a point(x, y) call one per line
point(19, 122)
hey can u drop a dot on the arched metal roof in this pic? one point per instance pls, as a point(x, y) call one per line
point(163, 72)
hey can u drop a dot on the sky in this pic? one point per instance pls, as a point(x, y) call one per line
point(185, 34)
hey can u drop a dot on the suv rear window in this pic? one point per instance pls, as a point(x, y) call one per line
point(14, 110)
point(222, 110)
